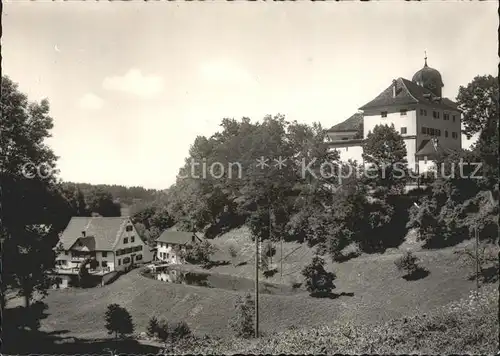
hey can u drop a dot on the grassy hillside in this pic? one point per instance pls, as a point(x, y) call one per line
point(371, 291)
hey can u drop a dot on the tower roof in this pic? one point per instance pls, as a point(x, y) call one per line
point(428, 77)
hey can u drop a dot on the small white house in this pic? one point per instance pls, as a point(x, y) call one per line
point(113, 242)
point(170, 243)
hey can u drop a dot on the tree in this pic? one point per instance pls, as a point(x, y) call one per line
point(199, 252)
point(318, 280)
point(101, 202)
point(384, 149)
point(152, 328)
point(34, 209)
point(478, 102)
point(118, 321)
point(242, 321)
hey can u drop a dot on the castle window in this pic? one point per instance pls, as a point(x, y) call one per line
point(402, 112)
point(403, 131)
point(383, 114)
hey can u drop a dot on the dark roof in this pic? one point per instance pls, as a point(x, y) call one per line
point(408, 92)
point(351, 142)
point(431, 148)
point(104, 231)
point(85, 243)
point(428, 75)
point(351, 124)
point(177, 237)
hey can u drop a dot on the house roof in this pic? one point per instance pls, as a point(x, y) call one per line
point(408, 92)
point(431, 148)
point(101, 234)
point(177, 237)
point(353, 123)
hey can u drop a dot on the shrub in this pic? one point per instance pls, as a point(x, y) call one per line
point(317, 279)
point(242, 321)
point(163, 330)
point(407, 262)
point(179, 331)
point(118, 321)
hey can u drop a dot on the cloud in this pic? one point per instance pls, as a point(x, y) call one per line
point(91, 101)
point(224, 71)
point(134, 82)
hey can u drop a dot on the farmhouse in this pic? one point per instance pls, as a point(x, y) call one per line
point(429, 124)
point(111, 243)
point(170, 243)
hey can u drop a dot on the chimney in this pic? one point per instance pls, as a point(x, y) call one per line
point(83, 233)
point(394, 88)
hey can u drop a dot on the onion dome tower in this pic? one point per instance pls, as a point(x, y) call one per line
point(429, 78)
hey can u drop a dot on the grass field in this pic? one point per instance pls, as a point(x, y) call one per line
point(371, 291)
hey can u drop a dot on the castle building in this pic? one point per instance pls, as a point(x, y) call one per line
point(429, 124)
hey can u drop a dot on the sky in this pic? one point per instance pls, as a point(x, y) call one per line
point(131, 84)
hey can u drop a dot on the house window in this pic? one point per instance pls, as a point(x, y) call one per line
point(445, 133)
point(402, 112)
point(403, 131)
point(119, 262)
point(454, 118)
point(126, 260)
point(168, 256)
point(383, 114)
point(104, 263)
point(454, 135)
point(438, 132)
point(66, 253)
point(446, 116)
point(138, 257)
point(125, 240)
point(424, 130)
point(129, 228)
point(132, 238)
point(421, 112)
point(104, 254)
point(438, 114)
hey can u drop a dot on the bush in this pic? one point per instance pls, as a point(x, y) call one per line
point(318, 280)
point(232, 252)
point(242, 322)
point(407, 262)
point(179, 331)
